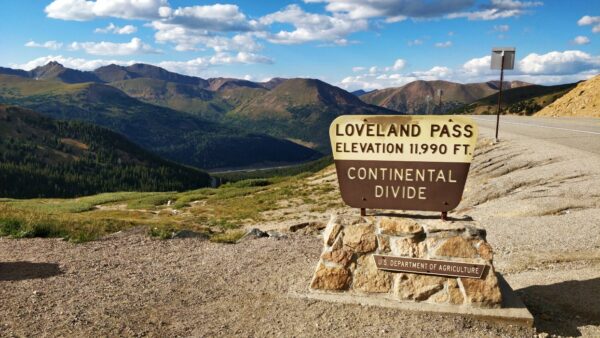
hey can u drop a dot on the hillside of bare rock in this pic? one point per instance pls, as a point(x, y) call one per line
point(583, 100)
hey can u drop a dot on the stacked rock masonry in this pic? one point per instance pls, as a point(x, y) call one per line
point(347, 263)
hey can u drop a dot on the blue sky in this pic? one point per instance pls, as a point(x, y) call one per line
point(350, 43)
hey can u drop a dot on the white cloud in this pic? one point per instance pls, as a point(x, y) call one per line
point(559, 63)
point(444, 44)
point(415, 42)
point(135, 46)
point(48, 44)
point(501, 28)
point(112, 28)
point(196, 66)
point(82, 10)
point(358, 69)
point(70, 62)
point(581, 40)
point(395, 11)
point(399, 64)
point(193, 39)
point(190, 67)
point(217, 17)
point(498, 9)
point(550, 68)
point(590, 20)
point(310, 27)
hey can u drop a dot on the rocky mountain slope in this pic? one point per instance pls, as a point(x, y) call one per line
point(422, 97)
point(583, 100)
point(520, 100)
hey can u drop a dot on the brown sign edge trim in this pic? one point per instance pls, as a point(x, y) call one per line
point(429, 273)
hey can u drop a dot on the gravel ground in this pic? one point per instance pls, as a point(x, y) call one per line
point(132, 285)
point(539, 203)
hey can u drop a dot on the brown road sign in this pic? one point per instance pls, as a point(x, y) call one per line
point(403, 162)
point(429, 266)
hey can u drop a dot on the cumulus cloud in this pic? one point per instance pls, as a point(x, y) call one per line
point(395, 11)
point(581, 40)
point(193, 39)
point(498, 9)
point(590, 20)
point(197, 65)
point(112, 28)
point(70, 62)
point(48, 44)
point(550, 68)
point(83, 10)
point(444, 44)
point(310, 27)
point(217, 17)
point(559, 63)
point(399, 64)
point(135, 46)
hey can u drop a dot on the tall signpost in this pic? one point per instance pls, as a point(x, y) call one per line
point(502, 58)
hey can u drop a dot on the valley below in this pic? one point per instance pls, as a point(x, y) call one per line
point(538, 198)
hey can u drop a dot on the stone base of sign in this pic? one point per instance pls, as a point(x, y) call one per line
point(347, 265)
point(512, 312)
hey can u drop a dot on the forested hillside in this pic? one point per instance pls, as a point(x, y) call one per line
point(42, 157)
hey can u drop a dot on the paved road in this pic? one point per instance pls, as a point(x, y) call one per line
point(578, 133)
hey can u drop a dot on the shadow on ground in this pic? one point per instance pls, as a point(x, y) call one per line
point(559, 309)
point(13, 271)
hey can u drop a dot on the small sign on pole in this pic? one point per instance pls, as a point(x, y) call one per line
point(502, 58)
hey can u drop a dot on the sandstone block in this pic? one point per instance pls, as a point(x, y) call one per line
point(331, 231)
point(483, 292)
point(360, 238)
point(454, 292)
point(367, 278)
point(339, 256)
point(383, 243)
point(400, 227)
point(330, 278)
point(439, 225)
point(417, 287)
point(456, 247)
point(408, 247)
point(485, 251)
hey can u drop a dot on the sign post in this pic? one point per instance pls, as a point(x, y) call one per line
point(403, 162)
point(502, 58)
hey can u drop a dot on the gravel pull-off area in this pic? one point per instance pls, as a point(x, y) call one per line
point(132, 285)
point(540, 204)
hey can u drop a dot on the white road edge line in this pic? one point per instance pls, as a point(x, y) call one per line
point(541, 126)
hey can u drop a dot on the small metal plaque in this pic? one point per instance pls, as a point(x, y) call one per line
point(429, 266)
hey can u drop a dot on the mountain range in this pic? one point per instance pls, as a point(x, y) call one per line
point(221, 123)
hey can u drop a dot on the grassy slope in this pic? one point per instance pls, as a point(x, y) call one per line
point(172, 134)
point(208, 210)
point(44, 157)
